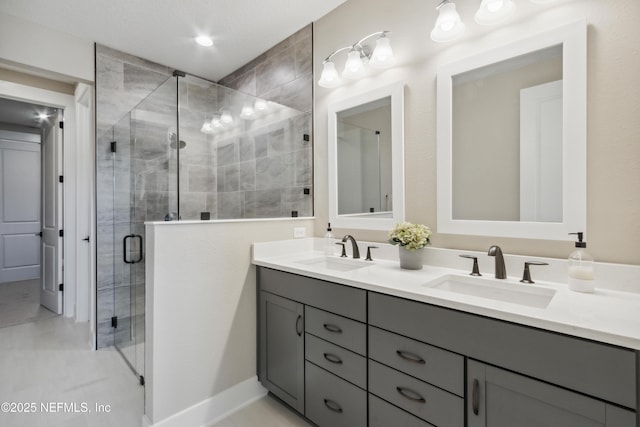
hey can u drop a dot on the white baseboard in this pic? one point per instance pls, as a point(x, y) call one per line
point(214, 409)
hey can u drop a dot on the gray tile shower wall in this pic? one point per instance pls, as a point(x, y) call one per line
point(264, 171)
point(283, 74)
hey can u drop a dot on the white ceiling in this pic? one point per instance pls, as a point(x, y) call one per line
point(163, 30)
point(24, 114)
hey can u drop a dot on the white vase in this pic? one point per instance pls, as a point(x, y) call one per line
point(411, 260)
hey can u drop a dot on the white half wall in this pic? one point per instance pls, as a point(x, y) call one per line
point(201, 311)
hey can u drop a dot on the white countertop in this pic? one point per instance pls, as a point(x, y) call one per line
point(608, 315)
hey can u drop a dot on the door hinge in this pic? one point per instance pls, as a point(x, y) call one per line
point(61, 287)
point(114, 322)
point(61, 233)
point(306, 137)
point(61, 178)
point(113, 146)
point(141, 380)
point(61, 125)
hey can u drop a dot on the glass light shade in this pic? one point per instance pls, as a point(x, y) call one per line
point(448, 26)
point(207, 128)
point(353, 68)
point(216, 123)
point(382, 56)
point(226, 118)
point(494, 11)
point(248, 113)
point(260, 105)
point(329, 77)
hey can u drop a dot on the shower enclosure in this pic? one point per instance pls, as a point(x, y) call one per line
point(192, 150)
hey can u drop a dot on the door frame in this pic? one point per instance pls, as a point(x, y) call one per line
point(72, 200)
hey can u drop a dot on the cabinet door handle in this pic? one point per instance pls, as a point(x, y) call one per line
point(410, 394)
point(298, 322)
point(333, 406)
point(333, 358)
point(332, 328)
point(474, 397)
point(411, 357)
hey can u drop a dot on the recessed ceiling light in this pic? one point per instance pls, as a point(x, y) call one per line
point(43, 116)
point(204, 41)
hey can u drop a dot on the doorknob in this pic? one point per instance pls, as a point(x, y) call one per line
point(86, 239)
point(39, 234)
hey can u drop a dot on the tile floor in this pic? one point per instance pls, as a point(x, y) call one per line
point(20, 303)
point(48, 366)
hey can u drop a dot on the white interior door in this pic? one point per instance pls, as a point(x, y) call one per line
point(52, 268)
point(541, 153)
point(19, 206)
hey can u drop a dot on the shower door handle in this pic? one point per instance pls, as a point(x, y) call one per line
point(139, 237)
point(124, 248)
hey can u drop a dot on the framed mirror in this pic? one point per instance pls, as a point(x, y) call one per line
point(511, 138)
point(366, 160)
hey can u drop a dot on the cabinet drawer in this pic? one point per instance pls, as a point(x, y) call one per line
point(339, 330)
point(384, 414)
point(342, 362)
point(431, 364)
point(333, 402)
point(600, 370)
point(428, 402)
point(340, 299)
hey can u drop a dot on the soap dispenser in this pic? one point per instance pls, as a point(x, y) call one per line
point(329, 242)
point(581, 268)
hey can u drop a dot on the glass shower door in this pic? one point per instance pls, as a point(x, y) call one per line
point(145, 186)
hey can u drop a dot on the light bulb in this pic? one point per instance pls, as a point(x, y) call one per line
point(204, 41)
point(329, 77)
point(216, 124)
point(493, 11)
point(260, 105)
point(248, 113)
point(382, 56)
point(353, 68)
point(206, 128)
point(448, 26)
point(226, 118)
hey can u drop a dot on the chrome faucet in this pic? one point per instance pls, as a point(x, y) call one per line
point(501, 270)
point(354, 245)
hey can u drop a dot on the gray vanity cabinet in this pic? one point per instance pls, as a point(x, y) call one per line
point(282, 348)
point(343, 356)
point(499, 398)
point(312, 347)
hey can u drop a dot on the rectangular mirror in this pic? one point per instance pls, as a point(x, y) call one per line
point(366, 165)
point(512, 139)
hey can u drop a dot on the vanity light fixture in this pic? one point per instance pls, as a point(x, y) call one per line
point(448, 26)
point(494, 11)
point(248, 112)
point(359, 56)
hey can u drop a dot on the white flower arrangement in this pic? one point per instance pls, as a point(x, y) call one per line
point(410, 236)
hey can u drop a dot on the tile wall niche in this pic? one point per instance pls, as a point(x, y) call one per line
point(263, 173)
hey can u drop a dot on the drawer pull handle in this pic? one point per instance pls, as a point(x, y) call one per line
point(411, 357)
point(474, 397)
point(410, 394)
point(332, 328)
point(333, 358)
point(298, 329)
point(333, 406)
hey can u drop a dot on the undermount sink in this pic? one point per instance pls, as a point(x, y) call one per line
point(335, 263)
point(494, 289)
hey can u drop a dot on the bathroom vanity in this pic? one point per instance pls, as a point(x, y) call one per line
point(343, 350)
